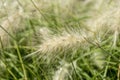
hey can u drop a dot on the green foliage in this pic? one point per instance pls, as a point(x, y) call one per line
point(68, 47)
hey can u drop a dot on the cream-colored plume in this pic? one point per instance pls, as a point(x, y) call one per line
point(105, 22)
point(72, 39)
point(67, 40)
point(64, 71)
point(10, 24)
point(109, 21)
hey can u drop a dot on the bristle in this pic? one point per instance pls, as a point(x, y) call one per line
point(108, 21)
point(61, 43)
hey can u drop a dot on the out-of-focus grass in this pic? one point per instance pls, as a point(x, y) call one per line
point(20, 36)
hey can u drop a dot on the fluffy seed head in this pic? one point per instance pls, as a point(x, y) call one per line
point(64, 71)
point(63, 42)
point(109, 21)
point(10, 24)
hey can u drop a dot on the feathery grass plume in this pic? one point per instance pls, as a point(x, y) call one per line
point(73, 39)
point(10, 20)
point(109, 22)
point(98, 59)
point(9, 7)
point(11, 25)
point(70, 39)
point(45, 33)
point(45, 4)
point(105, 24)
point(64, 71)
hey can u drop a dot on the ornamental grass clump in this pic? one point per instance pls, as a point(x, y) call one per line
point(107, 23)
point(59, 40)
